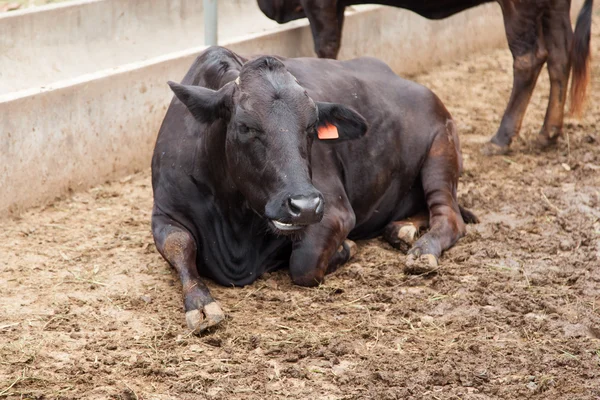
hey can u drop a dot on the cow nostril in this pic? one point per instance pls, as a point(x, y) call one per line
point(319, 207)
point(304, 205)
point(295, 205)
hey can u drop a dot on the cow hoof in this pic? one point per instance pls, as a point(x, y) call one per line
point(543, 142)
point(200, 320)
point(352, 248)
point(408, 234)
point(419, 265)
point(401, 235)
point(492, 149)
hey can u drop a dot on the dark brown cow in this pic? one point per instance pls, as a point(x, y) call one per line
point(538, 31)
point(262, 163)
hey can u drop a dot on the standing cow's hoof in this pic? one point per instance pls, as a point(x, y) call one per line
point(200, 320)
point(543, 142)
point(493, 149)
point(419, 265)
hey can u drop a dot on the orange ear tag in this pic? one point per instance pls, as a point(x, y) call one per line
point(328, 131)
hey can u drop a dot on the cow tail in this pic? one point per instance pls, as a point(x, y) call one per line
point(580, 58)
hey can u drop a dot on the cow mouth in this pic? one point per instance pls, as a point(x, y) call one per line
point(285, 227)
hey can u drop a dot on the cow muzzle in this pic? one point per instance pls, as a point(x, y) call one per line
point(296, 212)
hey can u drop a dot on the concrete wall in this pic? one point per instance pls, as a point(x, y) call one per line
point(78, 132)
point(73, 38)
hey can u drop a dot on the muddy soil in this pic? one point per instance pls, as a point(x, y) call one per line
point(88, 309)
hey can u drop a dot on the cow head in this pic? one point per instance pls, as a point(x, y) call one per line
point(282, 11)
point(271, 125)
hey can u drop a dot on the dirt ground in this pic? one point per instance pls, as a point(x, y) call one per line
point(88, 309)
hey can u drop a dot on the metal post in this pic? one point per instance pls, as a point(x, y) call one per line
point(210, 22)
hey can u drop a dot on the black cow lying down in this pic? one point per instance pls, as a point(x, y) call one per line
point(262, 163)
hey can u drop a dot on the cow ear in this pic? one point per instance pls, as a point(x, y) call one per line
point(206, 105)
point(338, 122)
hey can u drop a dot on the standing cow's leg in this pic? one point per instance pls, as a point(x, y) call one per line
point(523, 23)
point(324, 246)
point(439, 177)
point(178, 247)
point(558, 35)
point(326, 21)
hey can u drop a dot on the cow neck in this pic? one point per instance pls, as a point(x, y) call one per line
point(238, 246)
point(229, 199)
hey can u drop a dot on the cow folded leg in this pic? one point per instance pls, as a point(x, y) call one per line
point(324, 247)
point(439, 176)
point(178, 247)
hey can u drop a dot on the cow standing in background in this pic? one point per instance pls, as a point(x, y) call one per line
point(261, 164)
point(538, 31)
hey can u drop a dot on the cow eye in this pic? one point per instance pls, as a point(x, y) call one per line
point(248, 131)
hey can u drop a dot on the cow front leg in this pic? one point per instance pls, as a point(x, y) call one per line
point(324, 246)
point(439, 177)
point(526, 42)
point(178, 247)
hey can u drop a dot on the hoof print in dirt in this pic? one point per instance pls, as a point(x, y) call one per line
point(424, 264)
point(492, 149)
point(200, 321)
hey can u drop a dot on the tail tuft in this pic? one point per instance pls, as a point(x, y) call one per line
point(581, 58)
